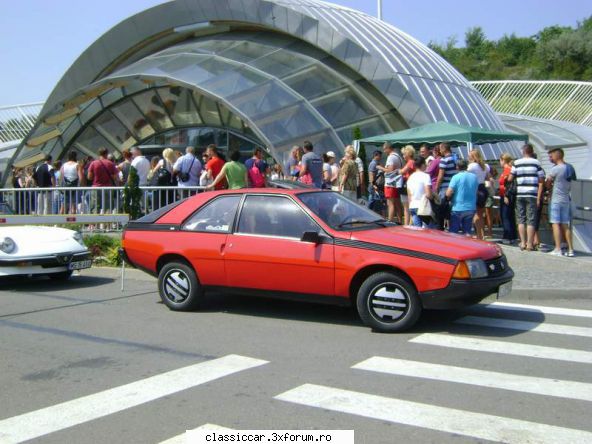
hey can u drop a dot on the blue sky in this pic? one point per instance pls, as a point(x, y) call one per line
point(40, 39)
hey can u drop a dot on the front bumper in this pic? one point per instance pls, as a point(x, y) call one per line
point(460, 293)
point(51, 263)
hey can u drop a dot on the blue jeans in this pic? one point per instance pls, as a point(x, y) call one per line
point(420, 221)
point(508, 216)
point(462, 221)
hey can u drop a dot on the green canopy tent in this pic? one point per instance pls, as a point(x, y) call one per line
point(439, 132)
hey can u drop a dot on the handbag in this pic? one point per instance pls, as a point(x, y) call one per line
point(425, 207)
point(185, 176)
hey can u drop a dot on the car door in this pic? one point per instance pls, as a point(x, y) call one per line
point(204, 236)
point(266, 251)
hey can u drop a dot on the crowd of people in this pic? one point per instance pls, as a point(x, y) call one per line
point(429, 187)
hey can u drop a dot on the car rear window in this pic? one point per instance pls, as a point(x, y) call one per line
point(157, 214)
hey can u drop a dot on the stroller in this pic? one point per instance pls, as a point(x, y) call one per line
point(376, 200)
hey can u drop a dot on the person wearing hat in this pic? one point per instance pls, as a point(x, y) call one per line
point(330, 171)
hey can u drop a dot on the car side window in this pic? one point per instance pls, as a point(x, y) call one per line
point(274, 216)
point(216, 217)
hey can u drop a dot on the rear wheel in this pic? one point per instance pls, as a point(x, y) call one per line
point(388, 302)
point(179, 287)
point(63, 276)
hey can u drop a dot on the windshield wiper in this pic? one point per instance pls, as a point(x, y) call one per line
point(380, 222)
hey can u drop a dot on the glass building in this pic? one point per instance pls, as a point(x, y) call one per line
point(245, 73)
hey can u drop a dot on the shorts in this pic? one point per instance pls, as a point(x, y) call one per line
point(526, 211)
point(560, 213)
point(391, 193)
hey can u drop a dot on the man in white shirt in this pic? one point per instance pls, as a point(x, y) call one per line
point(187, 167)
point(141, 164)
point(394, 163)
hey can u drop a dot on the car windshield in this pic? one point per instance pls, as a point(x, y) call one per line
point(341, 213)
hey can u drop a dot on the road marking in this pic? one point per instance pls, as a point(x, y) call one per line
point(507, 348)
point(182, 438)
point(77, 411)
point(506, 306)
point(482, 378)
point(512, 324)
point(477, 425)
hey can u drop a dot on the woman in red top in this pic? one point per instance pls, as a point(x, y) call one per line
point(507, 203)
point(214, 166)
point(407, 170)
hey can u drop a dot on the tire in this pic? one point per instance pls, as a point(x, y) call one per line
point(390, 288)
point(63, 276)
point(179, 287)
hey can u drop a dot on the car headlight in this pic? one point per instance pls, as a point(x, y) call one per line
point(78, 238)
point(471, 269)
point(477, 268)
point(7, 245)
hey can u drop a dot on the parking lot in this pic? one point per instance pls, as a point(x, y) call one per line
point(83, 361)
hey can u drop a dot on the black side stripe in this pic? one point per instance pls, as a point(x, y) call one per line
point(140, 226)
point(387, 249)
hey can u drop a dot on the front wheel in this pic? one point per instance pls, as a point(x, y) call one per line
point(179, 287)
point(388, 302)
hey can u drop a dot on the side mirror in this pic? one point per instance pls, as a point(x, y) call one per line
point(311, 236)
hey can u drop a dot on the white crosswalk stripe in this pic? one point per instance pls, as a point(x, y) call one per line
point(476, 425)
point(506, 306)
point(507, 348)
point(512, 324)
point(61, 416)
point(482, 378)
point(182, 438)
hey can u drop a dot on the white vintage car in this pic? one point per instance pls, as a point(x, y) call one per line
point(33, 250)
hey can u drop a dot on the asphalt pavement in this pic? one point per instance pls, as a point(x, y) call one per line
point(84, 362)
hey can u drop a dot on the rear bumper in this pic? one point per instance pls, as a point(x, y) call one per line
point(460, 293)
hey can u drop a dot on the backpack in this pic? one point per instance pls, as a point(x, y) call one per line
point(163, 176)
point(570, 172)
point(256, 177)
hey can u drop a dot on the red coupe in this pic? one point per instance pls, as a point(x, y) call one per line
point(312, 246)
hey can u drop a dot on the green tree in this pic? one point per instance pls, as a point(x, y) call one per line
point(132, 195)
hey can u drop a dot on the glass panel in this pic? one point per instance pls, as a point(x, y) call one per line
point(274, 216)
point(179, 104)
point(369, 128)
point(246, 51)
point(91, 111)
point(289, 123)
point(232, 81)
point(135, 122)
point(268, 97)
point(111, 96)
point(281, 63)
point(90, 141)
point(215, 217)
point(313, 81)
point(208, 110)
point(341, 108)
point(114, 131)
point(152, 107)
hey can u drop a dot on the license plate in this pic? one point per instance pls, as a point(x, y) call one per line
point(504, 290)
point(79, 265)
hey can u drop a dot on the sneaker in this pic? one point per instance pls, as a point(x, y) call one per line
point(556, 253)
point(570, 254)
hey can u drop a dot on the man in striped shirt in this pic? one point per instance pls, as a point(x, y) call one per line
point(529, 177)
point(447, 170)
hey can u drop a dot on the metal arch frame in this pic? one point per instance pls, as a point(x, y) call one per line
point(16, 120)
point(572, 99)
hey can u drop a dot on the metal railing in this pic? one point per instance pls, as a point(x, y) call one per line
point(554, 100)
point(17, 120)
point(85, 205)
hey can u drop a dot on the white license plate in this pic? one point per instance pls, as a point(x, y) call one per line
point(79, 265)
point(504, 290)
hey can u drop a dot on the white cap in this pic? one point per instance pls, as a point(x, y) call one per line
point(330, 154)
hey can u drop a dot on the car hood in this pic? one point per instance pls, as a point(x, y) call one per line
point(439, 243)
point(39, 241)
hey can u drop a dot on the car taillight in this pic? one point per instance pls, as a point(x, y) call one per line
point(461, 271)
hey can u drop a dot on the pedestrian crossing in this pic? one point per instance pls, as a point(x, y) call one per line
point(476, 425)
point(339, 397)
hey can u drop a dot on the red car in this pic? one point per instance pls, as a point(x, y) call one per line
point(310, 245)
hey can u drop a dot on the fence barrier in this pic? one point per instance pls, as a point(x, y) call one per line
point(82, 205)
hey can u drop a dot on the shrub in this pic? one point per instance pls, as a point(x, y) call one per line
point(104, 249)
